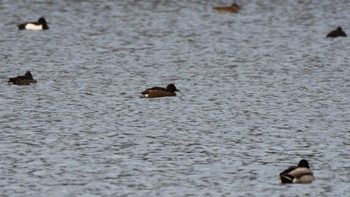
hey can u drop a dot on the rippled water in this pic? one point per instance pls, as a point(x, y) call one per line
point(260, 90)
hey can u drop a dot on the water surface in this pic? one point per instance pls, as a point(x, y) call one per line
point(260, 90)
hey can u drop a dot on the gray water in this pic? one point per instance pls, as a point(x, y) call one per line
point(260, 90)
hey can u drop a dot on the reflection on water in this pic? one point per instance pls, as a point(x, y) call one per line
point(260, 90)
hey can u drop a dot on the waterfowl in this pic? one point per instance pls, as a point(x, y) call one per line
point(23, 80)
point(40, 25)
point(159, 91)
point(337, 33)
point(229, 9)
point(297, 174)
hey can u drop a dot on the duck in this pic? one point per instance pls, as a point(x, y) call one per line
point(159, 91)
point(23, 80)
point(297, 174)
point(40, 25)
point(234, 8)
point(337, 33)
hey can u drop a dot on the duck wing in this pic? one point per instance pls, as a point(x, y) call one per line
point(153, 89)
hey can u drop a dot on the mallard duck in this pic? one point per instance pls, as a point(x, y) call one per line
point(297, 174)
point(159, 91)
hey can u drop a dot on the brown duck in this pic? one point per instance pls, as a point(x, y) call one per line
point(337, 33)
point(234, 8)
point(23, 80)
point(159, 91)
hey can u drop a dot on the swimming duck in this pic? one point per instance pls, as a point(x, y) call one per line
point(159, 91)
point(23, 80)
point(230, 9)
point(337, 33)
point(40, 25)
point(297, 174)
